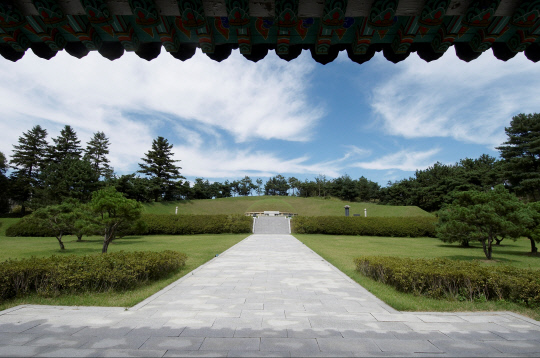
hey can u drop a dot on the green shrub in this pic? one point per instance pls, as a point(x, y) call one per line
point(30, 227)
point(156, 225)
point(372, 226)
point(461, 280)
point(196, 224)
point(53, 275)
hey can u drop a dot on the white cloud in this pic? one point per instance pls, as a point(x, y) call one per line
point(130, 98)
point(470, 102)
point(213, 162)
point(405, 160)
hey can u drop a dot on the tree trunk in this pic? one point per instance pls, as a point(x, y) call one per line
point(465, 243)
point(105, 246)
point(534, 250)
point(498, 241)
point(108, 238)
point(59, 238)
point(487, 248)
point(79, 237)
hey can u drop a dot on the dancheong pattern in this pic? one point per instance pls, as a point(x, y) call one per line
point(288, 27)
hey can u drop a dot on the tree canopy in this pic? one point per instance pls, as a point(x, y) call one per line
point(96, 153)
point(521, 154)
point(28, 159)
point(483, 216)
point(160, 167)
point(66, 146)
point(113, 210)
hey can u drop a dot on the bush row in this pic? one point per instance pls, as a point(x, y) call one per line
point(461, 280)
point(53, 275)
point(155, 225)
point(29, 227)
point(370, 226)
point(196, 224)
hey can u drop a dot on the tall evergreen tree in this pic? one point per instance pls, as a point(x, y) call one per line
point(161, 168)
point(96, 153)
point(66, 145)
point(28, 159)
point(4, 185)
point(521, 154)
point(70, 178)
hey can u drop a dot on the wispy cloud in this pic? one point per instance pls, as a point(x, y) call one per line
point(405, 160)
point(471, 102)
point(130, 100)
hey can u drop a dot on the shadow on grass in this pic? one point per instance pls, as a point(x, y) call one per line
point(481, 257)
point(450, 246)
point(518, 253)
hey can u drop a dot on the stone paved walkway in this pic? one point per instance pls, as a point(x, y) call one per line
point(269, 295)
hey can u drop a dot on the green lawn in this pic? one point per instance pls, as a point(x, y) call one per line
point(5, 223)
point(300, 206)
point(199, 248)
point(341, 250)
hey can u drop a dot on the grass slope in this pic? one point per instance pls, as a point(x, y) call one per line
point(199, 248)
point(341, 250)
point(300, 206)
point(5, 223)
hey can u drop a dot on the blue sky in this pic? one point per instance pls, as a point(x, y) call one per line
point(226, 120)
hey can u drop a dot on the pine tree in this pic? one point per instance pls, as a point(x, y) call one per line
point(96, 153)
point(161, 168)
point(28, 159)
point(4, 185)
point(521, 154)
point(66, 145)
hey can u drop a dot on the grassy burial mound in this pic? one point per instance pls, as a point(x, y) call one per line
point(300, 206)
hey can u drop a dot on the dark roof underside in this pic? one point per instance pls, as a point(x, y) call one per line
point(324, 27)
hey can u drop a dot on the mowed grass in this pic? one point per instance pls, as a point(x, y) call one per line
point(199, 248)
point(340, 251)
point(5, 223)
point(300, 206)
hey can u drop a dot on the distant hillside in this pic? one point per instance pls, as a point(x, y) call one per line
point(300, 206)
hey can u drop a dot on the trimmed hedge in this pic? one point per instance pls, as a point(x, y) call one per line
point(28, 226)
point(53, 275)
point(196, 224)
point(156, 225)
point(418, 226)
point(461, 280)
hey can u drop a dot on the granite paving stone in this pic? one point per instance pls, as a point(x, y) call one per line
point(56, 340)
point(520, 335)
point(68, 352)
point(176, 343)
point(515, 347)
point(208, 332)
point(373, 334)
point(289, 344)
point(314, 333)
point(260, 332)
point(249, 354)
point(129, 353)
point(134, 342)
point(347, 345)
point(16, 339)
point(269, 295)
point(461, 347)
point(241, 344)
point(406, 346)
point(475, 336)
point(210, 354)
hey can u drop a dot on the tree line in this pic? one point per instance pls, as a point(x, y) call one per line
point(46, 173)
